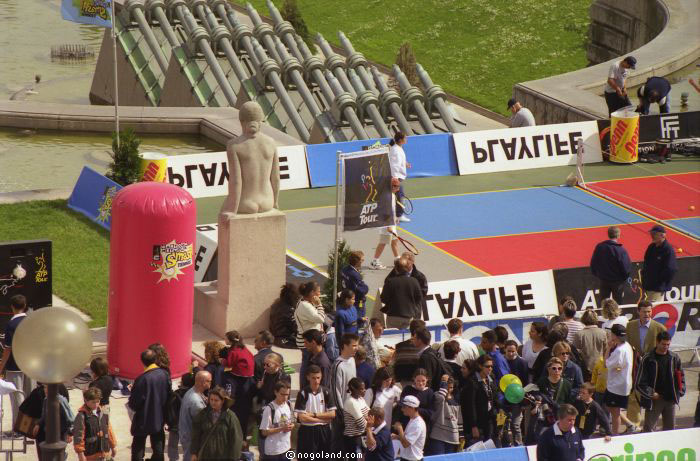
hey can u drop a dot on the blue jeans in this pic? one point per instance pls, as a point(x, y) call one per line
point(438, 447)
point(664, 108)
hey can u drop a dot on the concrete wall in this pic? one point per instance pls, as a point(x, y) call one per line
point(620, 26)
point(219, 124)
point(577, 96)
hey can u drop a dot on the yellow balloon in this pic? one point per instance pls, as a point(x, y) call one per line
point(508, 379)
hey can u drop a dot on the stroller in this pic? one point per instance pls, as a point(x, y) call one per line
point(545, 413)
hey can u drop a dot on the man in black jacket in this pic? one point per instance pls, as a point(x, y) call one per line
point(661, 384)
point(405, 360)
point(401, 296)
point(610, 263)
point(428, 358)
point(147, 400)
point(416, 274)
point(659, 265)
point(562, 441)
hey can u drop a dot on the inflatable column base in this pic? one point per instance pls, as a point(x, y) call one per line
point(251, 270)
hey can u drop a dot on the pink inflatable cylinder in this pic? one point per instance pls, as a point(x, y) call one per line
point(151, 276)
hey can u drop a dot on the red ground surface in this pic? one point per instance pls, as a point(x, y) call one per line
point(663, 197)
point(555, 250)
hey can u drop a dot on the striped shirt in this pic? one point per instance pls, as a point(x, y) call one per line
point(308, 317)
point(355, 412)
point(574, 327)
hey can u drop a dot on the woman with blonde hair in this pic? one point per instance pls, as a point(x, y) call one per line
point(212, 351)
point(612, 313)
point(571, 371)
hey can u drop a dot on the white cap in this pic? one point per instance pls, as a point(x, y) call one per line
point(410, 401)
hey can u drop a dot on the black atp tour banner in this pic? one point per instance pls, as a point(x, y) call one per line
point(681, 125)
point(368, 197)
point(25, 269)
point(580, 283)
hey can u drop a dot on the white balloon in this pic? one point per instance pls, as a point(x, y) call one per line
point(52, 345)
point(19, 272)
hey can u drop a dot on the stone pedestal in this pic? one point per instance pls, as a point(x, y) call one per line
point(251, 271)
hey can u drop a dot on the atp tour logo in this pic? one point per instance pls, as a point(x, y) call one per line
point(670, 126)
point(369, 185)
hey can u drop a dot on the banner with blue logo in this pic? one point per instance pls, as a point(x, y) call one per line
point(95, 12)
point(92, 196)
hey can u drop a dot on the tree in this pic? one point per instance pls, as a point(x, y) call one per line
point(126, 160)
point(290, 12)
point(343, 257)
point(406, 60)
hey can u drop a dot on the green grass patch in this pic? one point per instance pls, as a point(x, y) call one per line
point(474, 49)
point(80, 251)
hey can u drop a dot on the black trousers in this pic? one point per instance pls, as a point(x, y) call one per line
point(617, 289)
point(138, 446)
point(314, 439)
point(616, 102)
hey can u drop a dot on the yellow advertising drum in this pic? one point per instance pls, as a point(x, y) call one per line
point(154, 166)
point(624, 136)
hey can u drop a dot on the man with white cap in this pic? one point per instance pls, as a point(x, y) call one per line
point(413, 438)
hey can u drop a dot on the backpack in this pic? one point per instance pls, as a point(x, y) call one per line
point(172, 408)
point(444, 368)
point(261, 437)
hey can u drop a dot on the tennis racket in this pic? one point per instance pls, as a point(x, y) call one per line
point(406, 244)
point(406, 204)
point(637, 285)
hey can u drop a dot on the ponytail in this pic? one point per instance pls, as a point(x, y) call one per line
point(397, 137)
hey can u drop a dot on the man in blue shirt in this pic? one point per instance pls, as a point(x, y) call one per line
point(379, 446)
point(561, 441)
point(655, 90)
point(488, 344)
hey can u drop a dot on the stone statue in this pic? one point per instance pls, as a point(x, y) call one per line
point(253, 164)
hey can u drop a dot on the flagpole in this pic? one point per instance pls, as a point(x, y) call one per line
point(116, 86)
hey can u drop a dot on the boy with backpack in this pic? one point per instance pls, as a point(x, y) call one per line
point(93, 438)
point(277, 424)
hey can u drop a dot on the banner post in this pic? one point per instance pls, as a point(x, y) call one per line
point(116, 87)
point(338, 194)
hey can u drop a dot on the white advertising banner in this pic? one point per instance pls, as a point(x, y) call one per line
point(499, 297)
point(206, 174)
point(677, 445)
point(527, 147)
point(206, 243)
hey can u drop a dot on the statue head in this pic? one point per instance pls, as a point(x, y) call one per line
point(251, 117)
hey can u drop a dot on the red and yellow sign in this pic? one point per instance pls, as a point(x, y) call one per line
point(154, 166)
point(624, 136)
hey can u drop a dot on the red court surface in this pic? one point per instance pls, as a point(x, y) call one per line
point(555, 250)
point(663, 197)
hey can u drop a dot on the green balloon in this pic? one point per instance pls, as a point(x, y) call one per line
point(515, 393)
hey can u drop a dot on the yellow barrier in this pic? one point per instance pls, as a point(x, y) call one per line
point(154, 166)
point(624, 136)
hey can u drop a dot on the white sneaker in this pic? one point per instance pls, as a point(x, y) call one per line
point(376, 265)
point(403, 218)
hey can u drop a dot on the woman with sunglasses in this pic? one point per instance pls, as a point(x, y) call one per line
point(479, 402)
point(554, 385)
point(571, 371)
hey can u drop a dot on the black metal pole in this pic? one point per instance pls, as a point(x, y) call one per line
point(53, 448)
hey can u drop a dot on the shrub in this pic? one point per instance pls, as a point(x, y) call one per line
point(343, 256)
point(126, 159)
point(290, 12)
